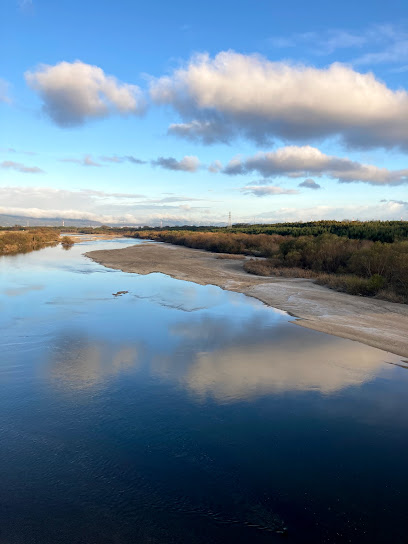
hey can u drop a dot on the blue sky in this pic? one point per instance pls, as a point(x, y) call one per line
point(140, 112)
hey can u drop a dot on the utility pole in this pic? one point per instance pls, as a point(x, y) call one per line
point(229, 220)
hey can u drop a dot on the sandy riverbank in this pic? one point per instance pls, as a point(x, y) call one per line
point(89, 237)
point(374, 322)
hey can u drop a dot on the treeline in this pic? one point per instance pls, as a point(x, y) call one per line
point(19, 241)
point(360, 267)
point(259, 245)
point(376, 231)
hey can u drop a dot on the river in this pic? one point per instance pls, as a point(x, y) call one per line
point(180, 413)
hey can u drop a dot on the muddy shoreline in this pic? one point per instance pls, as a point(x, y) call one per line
point(377, 323)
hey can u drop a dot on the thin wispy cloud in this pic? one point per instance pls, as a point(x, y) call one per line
point(87, 160)
point(388, 44)
point(5, 91)
point(120, 159)
point(215, 167)
point(188, 163)
point(25, 6)
point(382, 43)
point(321, 43)
point(18, 151)
point(267, 190)
point(19, 167)
point(172, 199)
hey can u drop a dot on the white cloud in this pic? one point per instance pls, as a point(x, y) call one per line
point(295, 162)
point(102, 206)
point(74, 92)
point(189, 163)
point(268, 190)
point(233, 94)
point(19, 167)
point(390, 210)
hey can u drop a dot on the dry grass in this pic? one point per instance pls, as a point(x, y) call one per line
point(264, 267)
point(231, 257)
point(67, 242)
point(12, 242)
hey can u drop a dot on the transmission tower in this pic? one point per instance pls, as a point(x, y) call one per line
point(229, 220)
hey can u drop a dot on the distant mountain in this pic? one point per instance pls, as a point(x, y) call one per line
point(11, 220)
point(24, 221)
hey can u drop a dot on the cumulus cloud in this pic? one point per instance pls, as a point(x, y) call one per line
point(310, 183)
point(73, 93)
point(268, 190)
point(19, 167)
point(233, 94)
point(85, 161)
point(189, 163)
point(295, 162)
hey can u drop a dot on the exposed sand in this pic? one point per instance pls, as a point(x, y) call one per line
point(90, 237)
point(374, 322)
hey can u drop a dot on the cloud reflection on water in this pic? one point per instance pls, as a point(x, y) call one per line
point(79, 362)
point(259, 360)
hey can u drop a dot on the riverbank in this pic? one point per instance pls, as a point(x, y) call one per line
point(377, 323)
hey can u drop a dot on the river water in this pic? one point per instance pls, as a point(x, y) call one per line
point(180, 413)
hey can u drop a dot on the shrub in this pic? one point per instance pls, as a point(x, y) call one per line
point(67, 242)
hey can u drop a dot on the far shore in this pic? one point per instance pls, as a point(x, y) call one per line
point(377, 323)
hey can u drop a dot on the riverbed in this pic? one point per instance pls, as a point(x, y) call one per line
point(142, 408)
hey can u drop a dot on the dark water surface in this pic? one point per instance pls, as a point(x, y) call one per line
point(179, 413)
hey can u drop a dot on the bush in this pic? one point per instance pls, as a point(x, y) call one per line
point(67, 242)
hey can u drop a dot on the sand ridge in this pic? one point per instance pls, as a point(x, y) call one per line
point(377, 323)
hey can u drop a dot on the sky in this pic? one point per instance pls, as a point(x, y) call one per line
point(181, 112)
